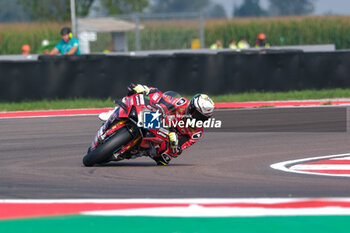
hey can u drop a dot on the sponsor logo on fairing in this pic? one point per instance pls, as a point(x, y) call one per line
point(156, 96)
point(197, 135)
point(180, 102)
point(162, 134)
point(137, 100)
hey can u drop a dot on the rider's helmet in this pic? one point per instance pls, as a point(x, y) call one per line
point(65, 31)
point(201, 107)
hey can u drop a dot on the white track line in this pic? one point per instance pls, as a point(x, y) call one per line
point(282, 166)
point(199, 211)
point(344, 158)
point(330, 206)
point(178, 200)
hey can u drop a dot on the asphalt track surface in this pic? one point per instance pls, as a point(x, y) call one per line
point(41, 158)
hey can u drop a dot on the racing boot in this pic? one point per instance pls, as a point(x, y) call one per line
point(162, 160)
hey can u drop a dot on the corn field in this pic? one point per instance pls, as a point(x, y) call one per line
point(179, 34)
point(14, 35)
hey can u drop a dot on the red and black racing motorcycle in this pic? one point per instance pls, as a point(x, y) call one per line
point(123, 136)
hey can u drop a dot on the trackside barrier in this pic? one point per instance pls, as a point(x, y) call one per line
point(102, 76)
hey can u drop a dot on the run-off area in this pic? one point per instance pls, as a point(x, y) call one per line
point(41, 158)
point(176, 215)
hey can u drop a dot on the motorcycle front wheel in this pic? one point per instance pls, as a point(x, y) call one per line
point(104, 151)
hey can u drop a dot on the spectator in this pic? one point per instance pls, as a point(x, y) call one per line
point(233, 45)
point(196, 44)
point(25, 49)
point(216, 45)
point(68, 45)
point(243, 44)
point(261, 41)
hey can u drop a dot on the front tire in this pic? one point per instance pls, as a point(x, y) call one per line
point(104, 151)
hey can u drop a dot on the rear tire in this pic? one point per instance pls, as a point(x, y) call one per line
point(104, 151)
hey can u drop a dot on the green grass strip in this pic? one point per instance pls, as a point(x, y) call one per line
point(290, 95)
point(56, 104)
point(93, 224)
point(240, 97)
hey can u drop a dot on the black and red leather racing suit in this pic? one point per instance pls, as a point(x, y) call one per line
point(175, 110)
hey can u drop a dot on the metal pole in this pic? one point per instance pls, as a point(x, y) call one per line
point(137, 33)
point(234, 8)
point(201, 30)
point(73, 18)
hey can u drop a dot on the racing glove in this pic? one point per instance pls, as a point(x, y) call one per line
point(163, 159)
point(173, 139)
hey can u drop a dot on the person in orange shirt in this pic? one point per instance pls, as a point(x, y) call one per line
point(261, 41)
point(25, 49)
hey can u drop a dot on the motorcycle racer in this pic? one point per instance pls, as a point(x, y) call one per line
point(174, 109)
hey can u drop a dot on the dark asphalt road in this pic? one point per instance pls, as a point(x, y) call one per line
point(41, 158)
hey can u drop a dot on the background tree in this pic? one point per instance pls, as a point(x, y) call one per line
point(53, 10)
point(216, 11)
point(83, 7)
point(59, 10)
point(179, 6)
point(10, 11)
point(124, 6)
point(249, 8)
point(291, 7)
point(168, 6)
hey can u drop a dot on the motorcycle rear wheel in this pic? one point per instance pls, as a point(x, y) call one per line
point(104, 151)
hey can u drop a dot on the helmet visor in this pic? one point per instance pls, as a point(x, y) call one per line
point(196, 114)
